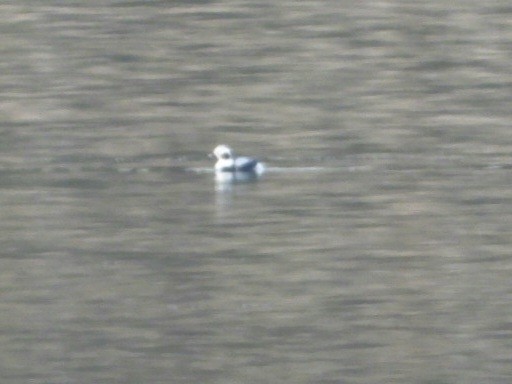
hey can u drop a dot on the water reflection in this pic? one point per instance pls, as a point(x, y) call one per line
point(230, 187)
point(225, 181)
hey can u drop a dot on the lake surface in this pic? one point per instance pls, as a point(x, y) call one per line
point(377, 248)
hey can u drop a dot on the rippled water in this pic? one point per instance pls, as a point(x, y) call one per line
point(376, 248)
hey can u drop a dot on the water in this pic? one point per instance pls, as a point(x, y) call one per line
point(375, 249)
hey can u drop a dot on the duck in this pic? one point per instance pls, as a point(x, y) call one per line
point(227, 161)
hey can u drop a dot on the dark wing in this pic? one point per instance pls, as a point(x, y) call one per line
point(245, 164)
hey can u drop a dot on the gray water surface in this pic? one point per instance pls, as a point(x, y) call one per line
point(375, 249)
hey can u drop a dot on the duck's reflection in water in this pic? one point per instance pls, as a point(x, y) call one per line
point(229, 185)
point(226, 181)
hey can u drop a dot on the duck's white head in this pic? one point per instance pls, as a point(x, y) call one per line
point(225, 157)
